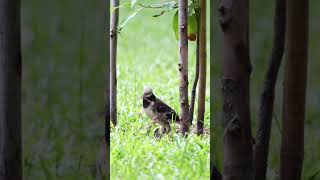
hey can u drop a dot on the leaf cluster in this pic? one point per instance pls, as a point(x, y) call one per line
point(163, 8)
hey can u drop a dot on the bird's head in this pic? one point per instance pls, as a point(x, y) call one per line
point(148, 94)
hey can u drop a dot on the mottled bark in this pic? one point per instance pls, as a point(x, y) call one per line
point(267, 97)
point(294, 92)
point(183, 65)
point(113, 59)
point(203, 67)
point(236, 70)
point(10, 91)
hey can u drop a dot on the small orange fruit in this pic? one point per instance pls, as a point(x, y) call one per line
point(192, 36)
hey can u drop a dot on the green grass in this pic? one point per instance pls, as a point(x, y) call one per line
point(147, 55)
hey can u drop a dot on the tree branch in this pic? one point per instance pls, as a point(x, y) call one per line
point(196, 78)
point(202, 67)
point(267, 96)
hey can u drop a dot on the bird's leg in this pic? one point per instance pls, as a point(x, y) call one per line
point(163, 130)
point(168, 128)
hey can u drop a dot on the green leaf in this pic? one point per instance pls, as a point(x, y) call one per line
point(170, 5)
point(124, 22)
point(192, 24)
point(160, 14)
point(175, 25)
point(194, 5)
point(117, 7)
point(133, 2)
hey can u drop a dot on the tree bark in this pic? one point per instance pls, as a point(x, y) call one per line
point(101, 161)
point(267, 97)
point(10, 91)
point(196, 78)
point(183, 64)
point(107, 105)
point(215, 174)
point(236, 70)
point(203, 67)
point(113, 58)
point(294, 92)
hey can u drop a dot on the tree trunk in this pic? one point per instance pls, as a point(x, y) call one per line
point(267, 97)
point(107, 106)
point(203, 67)
point(236, 70)
point(183, 64)
point(113, 58)
point(215, 174)
point(102, 161)
point(294, 92)
point(10, 91)
point(196, 78)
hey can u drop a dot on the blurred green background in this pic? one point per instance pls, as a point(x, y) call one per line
point(64, 54)
point(261, 34)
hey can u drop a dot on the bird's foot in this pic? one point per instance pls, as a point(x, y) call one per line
point(157, 134)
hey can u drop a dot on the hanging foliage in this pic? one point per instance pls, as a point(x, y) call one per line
point(163, 8)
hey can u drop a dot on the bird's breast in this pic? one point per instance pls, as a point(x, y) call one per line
point(149, 111)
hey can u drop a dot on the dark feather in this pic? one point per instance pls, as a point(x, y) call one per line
point(148, 100)
point(162, 107)
point(146, 103)
point(173, 116)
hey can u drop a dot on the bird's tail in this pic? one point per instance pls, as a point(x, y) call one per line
point(173, 117)
point(176, 117)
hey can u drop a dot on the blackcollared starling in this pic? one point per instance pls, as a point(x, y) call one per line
point(158, 111)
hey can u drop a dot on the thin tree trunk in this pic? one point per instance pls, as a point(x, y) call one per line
point(236, 70)
point(183, 64)
point(196, 78)
point(294, 92)
point(203, 67)
point(212, 26)
point(267, 97)
point(113, 58)
point(10, 91)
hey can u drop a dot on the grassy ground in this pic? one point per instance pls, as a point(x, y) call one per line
point(148, 56)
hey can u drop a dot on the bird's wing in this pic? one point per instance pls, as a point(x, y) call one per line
point(163, 108)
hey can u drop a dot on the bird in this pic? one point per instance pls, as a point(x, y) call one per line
point(158, 111)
